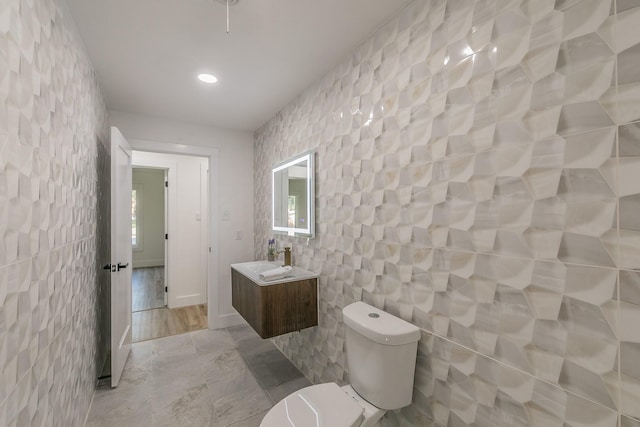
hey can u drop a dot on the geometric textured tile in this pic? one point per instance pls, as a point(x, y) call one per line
point(477, 175)
point(52, 118)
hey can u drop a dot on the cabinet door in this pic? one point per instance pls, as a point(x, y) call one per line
point(275, 309)
point(246, 298)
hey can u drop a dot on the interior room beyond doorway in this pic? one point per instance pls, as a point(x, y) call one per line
point(169, 229)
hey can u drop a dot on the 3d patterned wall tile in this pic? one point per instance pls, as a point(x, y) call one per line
point(51, 118)
point(476, 167)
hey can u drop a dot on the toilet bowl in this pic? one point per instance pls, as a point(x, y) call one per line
point(381, 355)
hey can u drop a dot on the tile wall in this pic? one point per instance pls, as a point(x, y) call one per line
point(478, 174)
point(52, 118)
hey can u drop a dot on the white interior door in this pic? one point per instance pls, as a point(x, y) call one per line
point(121, 258)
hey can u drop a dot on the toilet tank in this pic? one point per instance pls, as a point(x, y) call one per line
point(381, 355)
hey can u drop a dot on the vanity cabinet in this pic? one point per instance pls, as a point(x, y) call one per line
point(275, 308)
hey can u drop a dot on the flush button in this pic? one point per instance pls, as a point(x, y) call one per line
point(374, 315)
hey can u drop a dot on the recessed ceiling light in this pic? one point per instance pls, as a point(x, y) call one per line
point(207, 78)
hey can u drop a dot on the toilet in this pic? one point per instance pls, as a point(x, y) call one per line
point(381, 358)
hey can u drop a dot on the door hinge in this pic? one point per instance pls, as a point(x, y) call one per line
point(166, 184)
point(166, 289)
point(166, 236)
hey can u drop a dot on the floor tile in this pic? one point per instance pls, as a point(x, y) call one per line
point(278, 393)
point(191, 406)
point(253, 421)
point(227, 361)
point(208, 340)
point(241, 406)
point(225, 383)
point(135, 420)
point(273, 369)
point(221, 378)
point(116, 407)
point(238, 333)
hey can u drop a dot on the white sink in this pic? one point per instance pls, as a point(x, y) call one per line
point(253, 269)
point(259, 267)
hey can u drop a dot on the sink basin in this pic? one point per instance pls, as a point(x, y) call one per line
point(253, 269)
point(259, 267)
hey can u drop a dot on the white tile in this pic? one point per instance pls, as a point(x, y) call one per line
point(626, 24)
point(585, 17)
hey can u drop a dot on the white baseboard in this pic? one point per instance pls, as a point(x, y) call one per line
point(148, 263)
point(186, 300)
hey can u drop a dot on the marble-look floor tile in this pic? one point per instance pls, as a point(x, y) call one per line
point(120, 406)
point(225, 361)
point(137, 370)
point(224, 383)
point(278, 393)
point(192, 406)
point(135, 420)
point(241, 406)
point(253, 345)
point(240, 332)
point(222, 378)
point(253, 421)
point(207, 340)
point(177, 372)
point(173, 345)
point(272, 368)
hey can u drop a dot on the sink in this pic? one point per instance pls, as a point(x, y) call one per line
point(253, 269)
point(259, 267)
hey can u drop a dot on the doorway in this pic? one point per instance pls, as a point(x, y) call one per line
point(170, 244)
point(148, 228)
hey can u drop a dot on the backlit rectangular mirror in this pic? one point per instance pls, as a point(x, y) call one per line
point(293, 196)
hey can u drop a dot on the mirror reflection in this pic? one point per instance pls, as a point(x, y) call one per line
point(293, 196)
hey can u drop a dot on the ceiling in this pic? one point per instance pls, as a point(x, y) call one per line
point(147, 53)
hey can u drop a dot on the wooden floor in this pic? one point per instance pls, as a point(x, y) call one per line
point(150, 318)
point(147, 285)
point(162, 322)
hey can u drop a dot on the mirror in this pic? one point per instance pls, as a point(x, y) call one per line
point(293, 196)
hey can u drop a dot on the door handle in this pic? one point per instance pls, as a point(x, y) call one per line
point(121, 266)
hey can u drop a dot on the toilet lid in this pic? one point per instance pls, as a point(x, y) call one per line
point(322, 405)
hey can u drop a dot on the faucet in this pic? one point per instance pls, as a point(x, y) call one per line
point(287, 255)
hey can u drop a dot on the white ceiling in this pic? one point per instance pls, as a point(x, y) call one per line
point(147, 53)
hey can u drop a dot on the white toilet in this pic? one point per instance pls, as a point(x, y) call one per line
point(381, 358)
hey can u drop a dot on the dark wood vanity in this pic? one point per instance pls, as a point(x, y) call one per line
point(275, 308)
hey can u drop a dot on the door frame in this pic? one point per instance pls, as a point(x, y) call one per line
point(214, 319)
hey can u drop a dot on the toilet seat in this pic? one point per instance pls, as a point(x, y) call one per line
point(322, 405)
